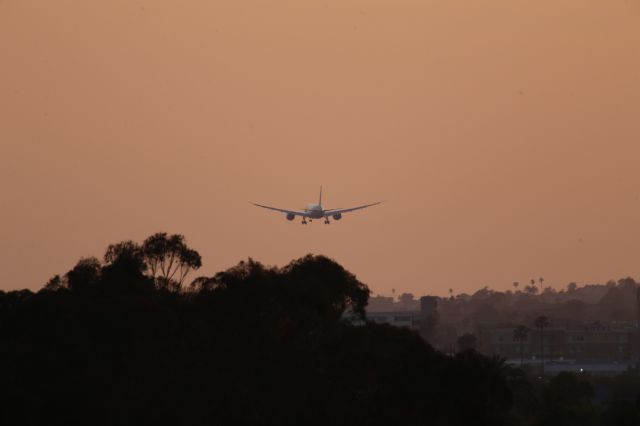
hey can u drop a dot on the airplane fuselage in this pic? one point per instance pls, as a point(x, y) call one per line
point(314, 211)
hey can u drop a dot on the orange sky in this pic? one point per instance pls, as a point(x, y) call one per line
point(505, 135)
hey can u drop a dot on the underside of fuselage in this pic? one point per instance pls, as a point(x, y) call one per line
point(314, 211)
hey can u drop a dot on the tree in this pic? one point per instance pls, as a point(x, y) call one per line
point(566, 390)
point(202, 284)
point(467, 341)
point(169, 259)
point(324, 277)
point(124, 268)
point(126, 256)
point(520, 335)
point(314, 286)
point(85, 275)
point(515, 285)
point(541, 323)
point(531, 289)
point(482, 293)
point(477, 382)
point(236, 350)
point(125, 251)
point(55, 283)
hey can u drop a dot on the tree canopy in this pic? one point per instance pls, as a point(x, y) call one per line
point(109, 343)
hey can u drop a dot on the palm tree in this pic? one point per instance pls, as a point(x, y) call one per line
point(451, 293)
point(515, 285)
point(520, 334)
point(541, 323)
point(541, 280)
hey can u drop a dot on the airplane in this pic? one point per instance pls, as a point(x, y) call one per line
point(316, 211)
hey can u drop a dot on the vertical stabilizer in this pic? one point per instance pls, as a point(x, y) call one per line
point(320, 199)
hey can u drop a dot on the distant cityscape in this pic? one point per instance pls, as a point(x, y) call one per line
point(590, 329)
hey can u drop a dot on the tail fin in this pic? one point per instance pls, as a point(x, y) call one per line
point(320, 199)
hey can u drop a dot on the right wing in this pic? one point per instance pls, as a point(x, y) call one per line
point(336, 211)
point(303, 214)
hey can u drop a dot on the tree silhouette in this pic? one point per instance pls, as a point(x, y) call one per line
point(124, 269)
point(520, 335)
point(566, 402)
point(169, 259)
point(105, 344)
point(85, 276)
point(467, 341)
point(56, 283)
point(541, 323)
point(322, 276)
point(126, 252)
point(201, 284)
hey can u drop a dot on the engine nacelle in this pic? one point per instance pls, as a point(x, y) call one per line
point(291, 216)
point(337, 216)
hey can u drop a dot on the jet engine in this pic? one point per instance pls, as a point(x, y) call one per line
point(337, 216)
point(291, 216)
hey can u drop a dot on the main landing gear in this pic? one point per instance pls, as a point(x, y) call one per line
point(304, 221)
point(326, 221)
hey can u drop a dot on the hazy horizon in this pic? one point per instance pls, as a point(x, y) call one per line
point(504, 136)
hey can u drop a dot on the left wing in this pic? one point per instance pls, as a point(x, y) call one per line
point(297, 213)
point(336, 211)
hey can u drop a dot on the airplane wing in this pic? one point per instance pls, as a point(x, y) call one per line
point(336, 211)
point(303, 214)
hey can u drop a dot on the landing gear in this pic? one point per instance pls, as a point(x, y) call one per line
point(304, 221)
point(326, 221)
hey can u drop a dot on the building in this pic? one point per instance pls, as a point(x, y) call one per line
point(589, 343)
point(396, 318)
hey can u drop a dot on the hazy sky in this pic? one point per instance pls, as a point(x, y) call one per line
point(504, 135)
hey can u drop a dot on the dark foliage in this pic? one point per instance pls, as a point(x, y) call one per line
point(467, 342)
point(253, 345)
